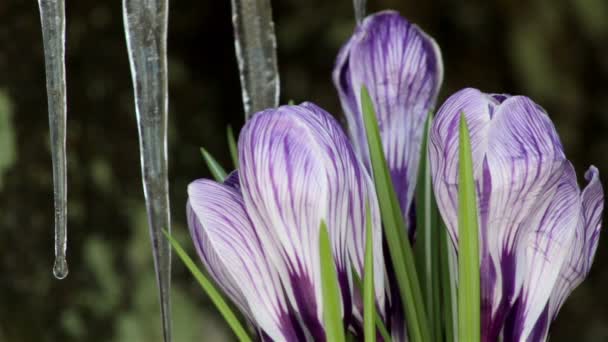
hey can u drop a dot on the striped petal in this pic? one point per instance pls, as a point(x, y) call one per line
point(580, 256)
point(518, 159)
point(402, 69)
point(443, 150)
point(577, 255)
point(231, 252)
point(550, 231)
point(297, 169)
point(232, 180)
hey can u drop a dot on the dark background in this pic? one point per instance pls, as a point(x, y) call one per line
point(552, 51)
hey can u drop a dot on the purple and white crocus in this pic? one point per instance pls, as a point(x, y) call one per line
point(538, 229)
point(401, 66)
point(257, 233)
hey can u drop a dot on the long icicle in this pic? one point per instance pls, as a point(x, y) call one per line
point(146, 32)
point(359, 6)
point(52, 17)
point(255, 45)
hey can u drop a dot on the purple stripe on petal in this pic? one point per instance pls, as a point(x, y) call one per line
point(443, 152)
point(478, 109)
point(297, 169)
point(593, 208)
point(541, 328)
point(524, 156)
point(402, 69)
point(580, 257)
point(529, 205)
point(551, 227)
point(233, 255)
point(512, 330)
point(232, 180)
point(304, 294)
point(348, 208)
point(214, 264)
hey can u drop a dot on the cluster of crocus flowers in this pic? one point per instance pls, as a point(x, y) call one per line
point(257, 232)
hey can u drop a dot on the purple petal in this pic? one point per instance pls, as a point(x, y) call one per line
point(580, 256)
point(232, 180)
point(517, 160)
point(478, 109)
point(593, 208)
point(297, 169)
point(402, 69)
point(214, 265)
point(230, 249)
point(347, 208)
point(550, 231)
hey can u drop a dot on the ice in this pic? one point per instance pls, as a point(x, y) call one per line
point(52, 17)
point(146, 32)
point(255, 45)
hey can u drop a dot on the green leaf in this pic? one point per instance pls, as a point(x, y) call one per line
point(395, 229)
point(427, 241)
point(386, 336)
point(212, 292)
point(448, 285)
point(332, 299)
point(217, 171)
point(369, 296)
point(234, 154)
point(468, 250)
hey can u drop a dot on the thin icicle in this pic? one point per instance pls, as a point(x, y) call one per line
point(255, 45)
point(52, 17)
point(359, 10)
point(146, 32)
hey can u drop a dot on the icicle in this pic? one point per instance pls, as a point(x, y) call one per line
point(52, 17)
point(146, 32)
point(255, 45)
point(359, 10)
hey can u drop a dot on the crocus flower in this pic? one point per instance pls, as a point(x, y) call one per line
point(402, 68)
point(538, 230)
point(257, 233)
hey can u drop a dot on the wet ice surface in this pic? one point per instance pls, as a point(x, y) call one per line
point(255, 45)
point(146, 32)
point(359, 6)
point(52, 17)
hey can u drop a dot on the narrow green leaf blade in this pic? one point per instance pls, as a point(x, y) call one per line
point(395, 229)
point(468, 250)
point(386, 336)
point(435, 315)
point(427, 241)
point(332, 299)
point(234, 154)
point(212, 292)
point(369, 297)
point(423, 222)
point(448, 285)
point(217, 171)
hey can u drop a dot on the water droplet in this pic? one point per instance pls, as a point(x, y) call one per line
point(60, 268)
point(255, 45)
point(52, 17)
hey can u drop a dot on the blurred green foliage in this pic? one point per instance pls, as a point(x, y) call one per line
point(552, 51)
point(7, 136)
